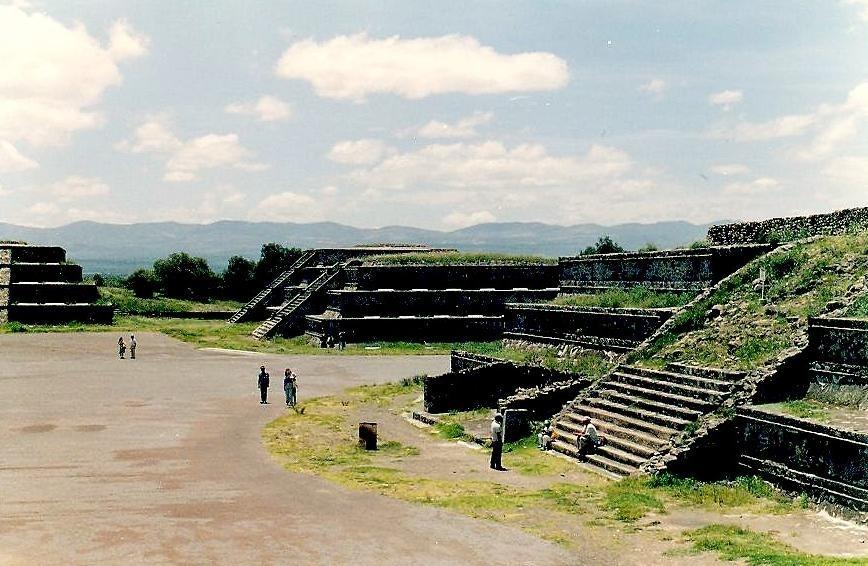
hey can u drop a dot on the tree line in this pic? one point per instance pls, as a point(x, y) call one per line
point(182, 276)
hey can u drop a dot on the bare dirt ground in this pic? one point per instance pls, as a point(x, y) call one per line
point(160, 460)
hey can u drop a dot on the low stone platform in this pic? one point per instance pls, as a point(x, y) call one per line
point(407, 328)
point(828, 461)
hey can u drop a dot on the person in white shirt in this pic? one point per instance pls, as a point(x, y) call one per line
point(544, 438)
point(133, 345)
point(588, 440)
point(497, 442)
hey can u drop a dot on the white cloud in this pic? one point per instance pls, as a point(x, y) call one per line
point(266, 109)
point(655, 87)
point(76, 187)
point(462, 219)
point(783, 127)
point(850, 170)
point(730, 169)
point(288, 205)
point(463, 128)
point(329, 190)
point(352, 67)
point(187, 158)
point(359, 152)
point(11, 159)
point(762, 185)
point(491, 165)
point(862, 5)
point(125, 42)
point(726, 99)
point(53, 76)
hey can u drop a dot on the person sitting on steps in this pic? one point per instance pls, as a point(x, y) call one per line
point(544, 438)
point(589, 440)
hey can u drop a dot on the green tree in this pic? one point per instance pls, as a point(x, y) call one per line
point(238, 278)
point(605, 245)
point(142, 283)
point(185, 277)
point(273, 260)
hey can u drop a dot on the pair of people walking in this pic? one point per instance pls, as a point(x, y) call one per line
point(122, 347)
point(290, 386)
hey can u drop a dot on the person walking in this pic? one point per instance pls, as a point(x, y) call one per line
point(262, 382)
point(122, 348)
point(133, 345)
point(290, 387)
point(497, 442)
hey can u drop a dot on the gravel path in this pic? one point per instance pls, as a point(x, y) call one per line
point(159, 460)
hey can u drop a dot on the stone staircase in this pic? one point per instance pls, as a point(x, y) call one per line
point(293, 310)
point(262, 298)
point(639, 410)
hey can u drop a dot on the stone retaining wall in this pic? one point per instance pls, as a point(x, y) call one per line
point(417, 302)
point(594, 327)
point(456, 276)
point(675, 270)
point(417, 329)
point(785, 229)
point(825, 462)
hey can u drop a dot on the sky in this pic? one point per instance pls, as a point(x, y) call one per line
point(431, 114)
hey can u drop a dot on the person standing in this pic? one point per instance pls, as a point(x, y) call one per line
point(133, 345)
point(342, 340)
point(290, 387)
point(544, 438)
point(122, 348)
point(262, 382)
point(497, 442)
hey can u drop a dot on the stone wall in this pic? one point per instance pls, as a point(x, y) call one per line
point(804, 457)
point(838, 340)
point(675, 270)
point(456, 276)
point(417, 302)
point(592, 327)
point(460, 360)
point(484, 385)
point(784, 229)
point(422, 328)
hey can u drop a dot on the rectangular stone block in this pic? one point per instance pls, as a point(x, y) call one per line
point(4, 296)
point(5, 255)
point(5, 275)
point(4, 315)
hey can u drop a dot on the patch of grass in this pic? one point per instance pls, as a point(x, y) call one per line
point(450, 431)
point(632, 498)
point(125, 301)
point(755, 351)
point(588, 363)
point(806, 409)
point(458, 258)
point(757, 549)
point(635, 297)
point(525, 458)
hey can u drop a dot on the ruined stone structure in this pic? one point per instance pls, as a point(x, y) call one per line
point(38, 285)
point(825, 460)
point(784, 229)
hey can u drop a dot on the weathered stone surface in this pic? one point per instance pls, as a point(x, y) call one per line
point(790, 228)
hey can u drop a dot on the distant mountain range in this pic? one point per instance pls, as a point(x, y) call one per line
point(121, 248)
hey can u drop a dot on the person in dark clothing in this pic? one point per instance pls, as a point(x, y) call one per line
point(263, 385)
point(342, 340)
point(497, 442)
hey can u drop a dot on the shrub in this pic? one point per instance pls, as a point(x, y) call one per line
point(185, 277)
point(142, 283)
point(238, 278)
point(273, 260)
point(604, 245)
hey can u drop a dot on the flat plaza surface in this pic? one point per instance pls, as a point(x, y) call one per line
point(160, 460)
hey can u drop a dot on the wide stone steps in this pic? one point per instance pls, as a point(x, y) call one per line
point(271, 288)
point(689, 415)
point(709, 395)
point(628, 439)
point(671, 399)
point(637, 413)
point(640, 451)
point(678, 378)
point(621, 420)
point(612, 466)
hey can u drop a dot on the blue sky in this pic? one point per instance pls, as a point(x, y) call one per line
point(438, 115)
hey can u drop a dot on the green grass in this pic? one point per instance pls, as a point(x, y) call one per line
point(588, 363)
point(125, 301)
point(635, 297)
point(458, 258)
point(749, 333)
point(806, 409)
point(733, 543)
point(450, 431)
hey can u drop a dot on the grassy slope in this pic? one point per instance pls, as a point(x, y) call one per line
point(750, 333)
point(125, 301)
point(636, 297)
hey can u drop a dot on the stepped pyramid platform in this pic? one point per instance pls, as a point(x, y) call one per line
point(38, 285)
point(640, 410)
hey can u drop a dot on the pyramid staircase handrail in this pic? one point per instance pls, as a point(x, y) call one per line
point(269, 289)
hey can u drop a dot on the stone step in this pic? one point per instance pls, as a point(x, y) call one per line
point(680, 378)
point(708, 395)
point(661, 396)
point(620, 420)
point(614, 448)
point(620, 469)
point(669, 421)
point(641, 450)
point(700, 371)
point(649, 405)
